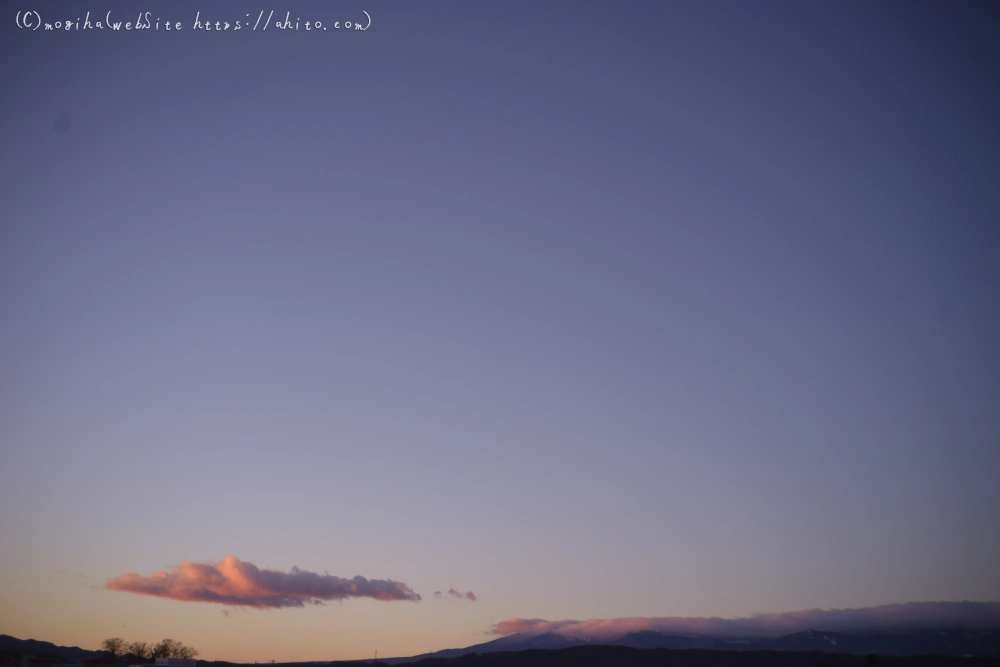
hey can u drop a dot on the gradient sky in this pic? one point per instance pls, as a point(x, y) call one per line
point(594, 309)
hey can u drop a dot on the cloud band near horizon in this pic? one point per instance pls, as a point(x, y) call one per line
point(242, 584)
point(893, 617)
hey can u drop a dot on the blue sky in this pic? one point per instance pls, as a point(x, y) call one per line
point(595, 309)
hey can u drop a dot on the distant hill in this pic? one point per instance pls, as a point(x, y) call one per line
point(954, 643)
point(936, 642)
point(651, 639)
point(71, 653)
point(516, 642)
point(655, 649)
point(605, 655)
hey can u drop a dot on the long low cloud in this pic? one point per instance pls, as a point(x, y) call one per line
point(887, 618)
point(241, 584)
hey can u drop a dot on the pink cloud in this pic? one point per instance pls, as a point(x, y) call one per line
point(893, 617)
point(241, 584)
point(458, 595)
point(462, 596)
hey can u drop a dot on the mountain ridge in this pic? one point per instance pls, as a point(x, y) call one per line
point(72, 653)
point(945, 642)
point(942, 642)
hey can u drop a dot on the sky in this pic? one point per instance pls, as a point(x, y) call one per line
point(493, 315)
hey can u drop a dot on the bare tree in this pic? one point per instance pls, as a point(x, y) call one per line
point(165, 649)
point(115, 646)
point(186, 652)
point(141, 650)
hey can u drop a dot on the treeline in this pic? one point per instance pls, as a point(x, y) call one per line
point(165, 648)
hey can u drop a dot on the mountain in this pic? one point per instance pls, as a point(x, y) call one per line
point(524, 642)
point(604, 655)
point(516, 642)
point(71, 653)
point(926, 642)
point(955, 643)
point(946, 643)
point(651, 639)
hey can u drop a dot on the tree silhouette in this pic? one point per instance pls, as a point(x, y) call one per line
point(165, 648)
point(115, 646)
point(186, 652)
point(141, 650)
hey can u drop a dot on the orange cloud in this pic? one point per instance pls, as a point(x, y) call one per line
point(893, 617)
point(237, 583)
